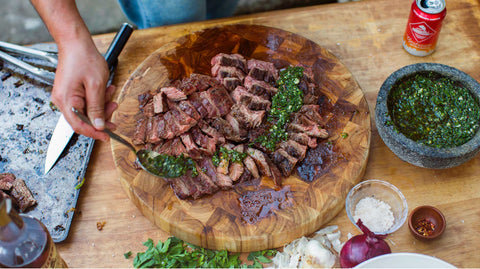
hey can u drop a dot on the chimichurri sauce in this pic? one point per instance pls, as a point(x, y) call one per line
point(228, 154)
point(434, 110)
point(168, 166)
point(287, 100)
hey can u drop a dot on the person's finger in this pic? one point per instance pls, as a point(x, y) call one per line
point(95, 102)
point(83, 128)
point(109, 93)
point(110, 107)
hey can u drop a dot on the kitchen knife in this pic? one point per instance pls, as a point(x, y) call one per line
point(63, 131)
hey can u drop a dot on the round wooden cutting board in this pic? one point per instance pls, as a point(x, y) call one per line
point(215, 221)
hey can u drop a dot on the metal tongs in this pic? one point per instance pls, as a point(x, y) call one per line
point(51, 57)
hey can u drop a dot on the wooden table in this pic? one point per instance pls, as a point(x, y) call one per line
point(367, 37)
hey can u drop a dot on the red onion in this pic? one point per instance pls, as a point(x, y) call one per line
point(363, 247)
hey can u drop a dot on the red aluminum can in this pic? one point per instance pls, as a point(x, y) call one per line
point(423, 27)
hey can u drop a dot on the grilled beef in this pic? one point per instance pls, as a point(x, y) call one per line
point(197, 115)
point(15, 189)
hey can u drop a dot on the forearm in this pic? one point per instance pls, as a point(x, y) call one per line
point(63, 22)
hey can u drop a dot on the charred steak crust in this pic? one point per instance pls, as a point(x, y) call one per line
point(199, 114)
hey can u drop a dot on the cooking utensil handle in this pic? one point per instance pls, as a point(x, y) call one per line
point(106, 130)
point(117, 44)
point(49, 56)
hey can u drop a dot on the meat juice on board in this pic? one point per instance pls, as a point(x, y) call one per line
point(25, 241)
point(423, 27)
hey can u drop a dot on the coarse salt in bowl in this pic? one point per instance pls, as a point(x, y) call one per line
point(381, 206)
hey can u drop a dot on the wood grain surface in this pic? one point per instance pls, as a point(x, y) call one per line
point(216, 221)
point(366, 36)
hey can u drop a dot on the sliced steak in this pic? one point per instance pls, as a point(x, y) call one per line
point(226, 129)
point(143, 99)
point(311, 130)
point(192, 149)
point(6, 181)
point(235, 60)
point(220, 98)
point(236, 169)
point(140, 132)
point(221, 72)
point(152, 135)
point(312, 112)
point(212, 110)
point(262, 70)
point(247, 118)
point(182, 187)
point(173, 147)
point(212, 132)
point(159, 103)
point(284, 161)
point(197, 82)
point(206, 144)
point(249, 163)
point(260, 88)
point(294, 149)
point(173, 93)
point(196, 101)
point(265, 165)
point(148, 109)
point(22, 195)
point(231, 83)
point(210, 170)
point(253, 102)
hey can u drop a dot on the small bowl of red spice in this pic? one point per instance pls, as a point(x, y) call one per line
point(426, 222)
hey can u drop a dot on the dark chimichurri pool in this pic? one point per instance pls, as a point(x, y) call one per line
point(434, 110)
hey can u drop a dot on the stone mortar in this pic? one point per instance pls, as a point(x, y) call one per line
point(411, 151)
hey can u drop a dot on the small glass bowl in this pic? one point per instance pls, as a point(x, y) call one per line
point(383, 191)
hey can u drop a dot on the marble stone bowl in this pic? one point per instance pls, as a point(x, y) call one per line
point(409, 150)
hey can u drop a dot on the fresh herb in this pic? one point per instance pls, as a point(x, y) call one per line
point(344, 135)
point(434, 110)
point(175, 253)
point(168, 166)
point(79, 185)
point(287, 100)
point(228, 154)
point(127, 255)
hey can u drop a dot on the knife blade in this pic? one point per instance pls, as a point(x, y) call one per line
point(63, 132)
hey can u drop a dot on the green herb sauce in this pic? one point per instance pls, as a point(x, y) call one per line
point(434, 110)
point(168, 166)
point(229, 155)
point(289, 99)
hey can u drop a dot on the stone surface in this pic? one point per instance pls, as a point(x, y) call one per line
point(407, 149)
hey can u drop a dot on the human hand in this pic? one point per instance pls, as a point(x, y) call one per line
point(80, 82)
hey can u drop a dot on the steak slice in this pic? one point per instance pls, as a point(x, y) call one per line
point(284, 161)
point(303, 139)
point(152, 133)
point(22, 195)
point(192, 149)
point(197, 82)
point(236, 169)
point(6, 181)
point(182, 187)
point(140, 133)
point(231, 83)
point(196, 101)
point(312, 112)
point(266, 166)
point(235, 60)
point(251, 166)
point(226, 129)
point(173, 93)
point(159, 103)
point(173, 147)
point(260, 88)
point(247, 118)
point(206, 144)
point(263, 70)
point(311, 130)
point(294, 149)
point(212, 132)
point(221, 72)
point(220, 98)
point(253, 102)
point(210, 170)
point(212, 110)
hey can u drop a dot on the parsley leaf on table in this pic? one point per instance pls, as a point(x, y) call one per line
point(175, 253)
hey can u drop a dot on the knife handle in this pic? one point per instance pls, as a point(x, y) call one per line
point(117, 44)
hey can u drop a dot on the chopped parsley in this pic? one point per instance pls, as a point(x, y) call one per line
point(228, 154)
point(168, 166)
